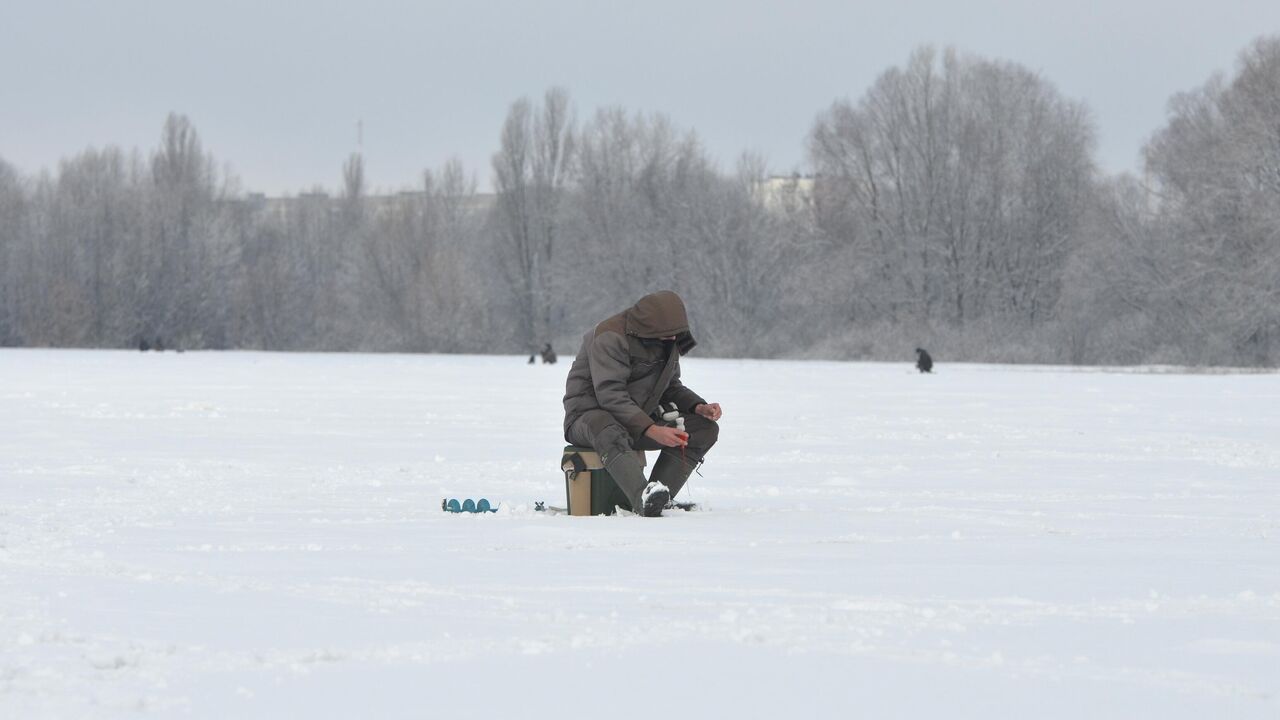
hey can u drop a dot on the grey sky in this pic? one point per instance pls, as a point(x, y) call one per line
point(276, 88)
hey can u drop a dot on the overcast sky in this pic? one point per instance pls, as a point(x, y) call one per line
point(276, 88)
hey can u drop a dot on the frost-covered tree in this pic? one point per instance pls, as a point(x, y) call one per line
point(531, 171)
point(429, 281)
point(635, 177)
point(13, 233)
point(951, 192)
point(186, 265)
point(100, 211)
point(650, 210)
point(1184, 266)
point(954, 202)
point(1216, 170)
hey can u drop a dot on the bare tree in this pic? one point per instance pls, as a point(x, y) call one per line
point(530, 176)
point(184, 268)
point(426, 275)
point(955, 200)
point(13, 232)
point(1216, 170)
point(950, 191)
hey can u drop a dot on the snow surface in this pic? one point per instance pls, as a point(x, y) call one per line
point(260, 535)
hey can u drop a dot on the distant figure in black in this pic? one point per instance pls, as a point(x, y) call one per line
point(143, 345)
point(548, 355)
point(924, 363)
point(531, 357)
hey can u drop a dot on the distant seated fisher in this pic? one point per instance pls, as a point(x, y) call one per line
point(619, 395)
point(924, 363)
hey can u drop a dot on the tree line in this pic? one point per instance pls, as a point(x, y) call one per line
point(956, 204)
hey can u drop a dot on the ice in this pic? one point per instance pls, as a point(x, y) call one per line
point(260, 535)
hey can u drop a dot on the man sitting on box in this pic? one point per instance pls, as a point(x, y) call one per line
point(619, 395)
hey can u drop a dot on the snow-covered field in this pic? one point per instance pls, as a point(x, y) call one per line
point(260, 535)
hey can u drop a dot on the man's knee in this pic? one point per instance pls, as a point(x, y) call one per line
point(703, 433)
point(611, 440)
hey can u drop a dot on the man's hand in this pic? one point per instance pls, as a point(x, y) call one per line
point(667, 436)
point(710, 411)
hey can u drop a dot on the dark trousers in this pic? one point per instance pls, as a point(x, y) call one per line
point(597, 429)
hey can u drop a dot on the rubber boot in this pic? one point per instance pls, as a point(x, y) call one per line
point(628, 472)
point(653, 500)
point(672, 470)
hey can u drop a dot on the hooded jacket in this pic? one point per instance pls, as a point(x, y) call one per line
point(625, 368)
